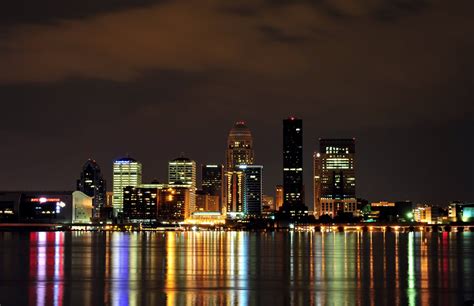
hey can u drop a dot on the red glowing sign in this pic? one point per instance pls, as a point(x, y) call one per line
point(45, 200)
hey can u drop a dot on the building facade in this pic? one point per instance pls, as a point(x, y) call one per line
point(140, 204)
point(126, 172)
point(93, 184)
point(334, 177)
point(173, 204)
point(234, 192)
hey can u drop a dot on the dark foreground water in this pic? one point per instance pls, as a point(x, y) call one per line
point(236, 268)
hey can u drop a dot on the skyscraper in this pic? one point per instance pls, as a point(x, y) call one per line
point(239, 146)
point(293, 191)
point(92, 184)
point(252, 189)
point(234, 192)
point(182, 173)
point(212, 181)
point(239, 152)
point(336, 186)
point(127, 172)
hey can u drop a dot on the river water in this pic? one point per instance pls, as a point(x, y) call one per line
point(236, 268)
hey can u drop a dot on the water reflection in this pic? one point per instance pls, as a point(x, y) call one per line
point(236, 268)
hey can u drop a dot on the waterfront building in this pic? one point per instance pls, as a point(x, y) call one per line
point(127, 172)
point(93, 184)
point(45, 207)
point(334, 177)
point(293, 189)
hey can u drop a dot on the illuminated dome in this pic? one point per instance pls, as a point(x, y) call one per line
point(240, 130)
point(239, 146)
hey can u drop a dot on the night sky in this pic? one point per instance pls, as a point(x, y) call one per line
point(88, 78)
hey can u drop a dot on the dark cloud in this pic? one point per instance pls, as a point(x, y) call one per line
point(13, 12)
point(278, 35)
point(158, 80)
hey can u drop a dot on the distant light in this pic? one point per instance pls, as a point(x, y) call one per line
point(43, 200)
point(292, 226)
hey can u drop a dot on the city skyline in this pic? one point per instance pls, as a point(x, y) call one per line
point(149, 176)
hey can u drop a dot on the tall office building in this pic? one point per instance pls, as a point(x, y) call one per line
point(93, 184)
point(252, 189)
point(127, 172)
point(293, 190)
point(182, 173)
point(212, 181)
point(239, 146)
point(278, 197)
point(239, 152)
point(334, 177)
point(234, 192)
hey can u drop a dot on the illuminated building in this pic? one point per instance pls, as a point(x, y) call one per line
point(391, 211)
point(83, 207)
point(293, 190)
point(92, 184)
point(127, 172)
point(206, 218)
point(422, 214)
point(173, 204)
point(278, 196)
point(45, 207)
point(252, 189)
point(140, 204)
point(334, 177)
point(212, 181)
point(234, 192)
point(461, 212)
point(239, 147)
point(182, 173)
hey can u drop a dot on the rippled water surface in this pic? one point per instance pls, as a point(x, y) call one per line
point(236, 268)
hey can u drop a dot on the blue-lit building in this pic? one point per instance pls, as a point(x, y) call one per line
point(252, 189)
